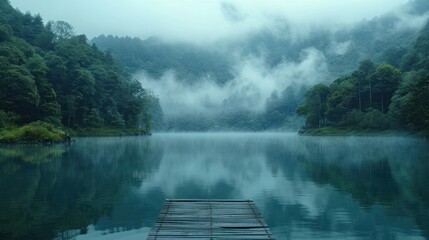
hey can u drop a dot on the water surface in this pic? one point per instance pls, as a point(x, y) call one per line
point(305, 187)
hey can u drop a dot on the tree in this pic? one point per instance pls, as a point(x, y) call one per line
point(416, 106)
point(84, 90)
point(18, 92)
point(132, 105)
point(314, 106)
point(341, 104)
point(112, 116)
point(11, 54)
point(374, 119)
point(5, 32)
point(366, 70)
point(152, 116)
point(386, 78)
point(73, 82)
point(48, 107)
point(61, 30)
point(93, 119)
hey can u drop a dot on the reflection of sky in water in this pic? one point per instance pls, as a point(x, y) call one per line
point(137, 234)
point(239, 162)
point(281, 173)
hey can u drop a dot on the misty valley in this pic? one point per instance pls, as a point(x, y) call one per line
point(318, 111)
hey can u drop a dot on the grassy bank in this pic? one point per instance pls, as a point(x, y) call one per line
point(31, 133)
point(104, 132)
point(40, 132)
point(331, 131)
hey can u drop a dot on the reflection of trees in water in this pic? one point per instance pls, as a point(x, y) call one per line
point(66, 188)
point(31, 153)
point(387, 172)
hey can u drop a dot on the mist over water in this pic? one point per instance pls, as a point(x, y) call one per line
point(215, 66)
point(305, 187)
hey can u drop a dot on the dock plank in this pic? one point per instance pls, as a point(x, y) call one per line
point(209, 219)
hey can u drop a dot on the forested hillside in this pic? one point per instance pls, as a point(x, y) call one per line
point(320, 54)
point(48, 73)
point(376, 97)
point(156, 57)
point(51, 74)
point(379, 39)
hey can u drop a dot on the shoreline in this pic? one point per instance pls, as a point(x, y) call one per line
point(65, 136)
point(332, 132)
point(45, 133)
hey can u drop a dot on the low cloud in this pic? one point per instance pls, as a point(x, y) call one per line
point(225, 25)
point(201, 21)
point(410, 21)
point(339, 48)
point(253, 83)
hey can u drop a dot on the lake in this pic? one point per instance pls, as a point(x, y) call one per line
point(305, 187)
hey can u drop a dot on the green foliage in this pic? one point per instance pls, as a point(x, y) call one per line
point(11, 53)
point(352, 118)
point(378, 39)
point(5, 32)
point(315, 106)
point(378, 97)
point(328, 131)
point(375, 120)
point(153, 117)
point(8, 118)
point(93, 119)
point(281, 107)
point(190, 63)
point(48, 106)
point(106, 131)
point(48, 73)
point(409, 107)
point(18, 92)
point(113, 117)
point(61, 30)
point(386, 81)
point(33, 132)
point(416, 106)
point(398, 109)
point(350, 100)
point(342, 98)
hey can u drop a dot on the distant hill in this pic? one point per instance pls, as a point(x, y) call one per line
point(380, 39)
point(384, 39)
point(155, 57)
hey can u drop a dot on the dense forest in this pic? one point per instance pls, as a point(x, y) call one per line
point(343, 50)
point(376, 97)
point(193, 64)
point(156, 57)
point(50, 74)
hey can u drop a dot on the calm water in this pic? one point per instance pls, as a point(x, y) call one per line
point(305, 187)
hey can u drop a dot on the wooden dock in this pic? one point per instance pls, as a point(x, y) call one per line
point(209, 219)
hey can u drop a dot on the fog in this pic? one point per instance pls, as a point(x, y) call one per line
point(226, 26)
point(200, 21)
point(254, 81)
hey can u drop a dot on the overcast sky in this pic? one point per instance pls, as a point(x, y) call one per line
point(199, 20)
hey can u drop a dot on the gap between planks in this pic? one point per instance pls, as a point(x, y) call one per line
point(209, 219)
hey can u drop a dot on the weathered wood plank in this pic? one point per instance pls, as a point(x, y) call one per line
point(209, 219)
